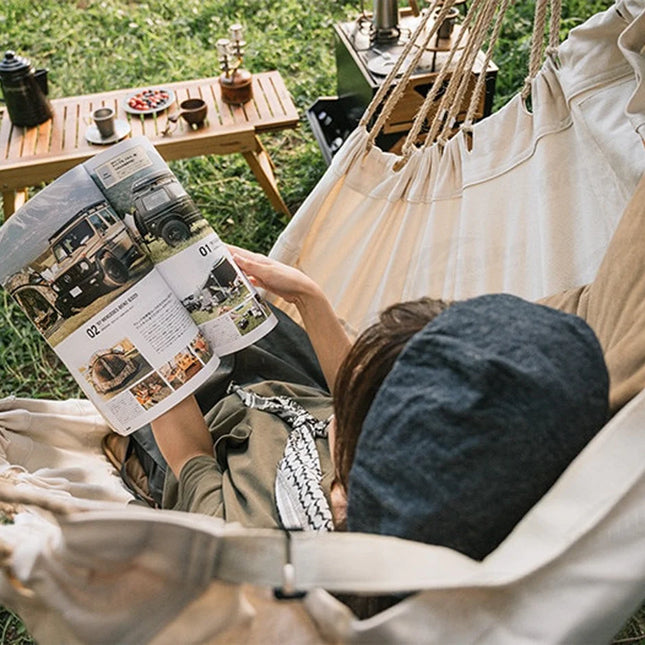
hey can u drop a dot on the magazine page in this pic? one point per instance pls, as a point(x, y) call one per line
point(91, 290)
point(185, 249)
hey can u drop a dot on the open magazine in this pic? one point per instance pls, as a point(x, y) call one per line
point(128, 283)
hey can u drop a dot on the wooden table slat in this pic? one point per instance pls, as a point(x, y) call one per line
point(12, 145)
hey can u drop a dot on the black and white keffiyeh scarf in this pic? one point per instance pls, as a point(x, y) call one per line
point(299, 496)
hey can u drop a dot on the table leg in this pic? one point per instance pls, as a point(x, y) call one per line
point(12, 200)
point(262, 167)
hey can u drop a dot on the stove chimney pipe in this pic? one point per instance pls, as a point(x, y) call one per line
point(386, 20)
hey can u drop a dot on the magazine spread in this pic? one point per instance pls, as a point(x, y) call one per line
point(129, 284)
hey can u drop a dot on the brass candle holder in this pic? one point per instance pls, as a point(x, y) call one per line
point(235, 81)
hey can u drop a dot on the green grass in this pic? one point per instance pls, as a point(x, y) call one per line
point(100, 45)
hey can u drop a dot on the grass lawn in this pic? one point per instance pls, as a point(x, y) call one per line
point(101, 45)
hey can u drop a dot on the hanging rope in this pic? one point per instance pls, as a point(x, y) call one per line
point(462, 77)
point(481, 79)
point(537, 46)
point(391, 77)
point(554, 28)
point(481, 16)
point(390, 81)
point(410, 142)
point(484, 16)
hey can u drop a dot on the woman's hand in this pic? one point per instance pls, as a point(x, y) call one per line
point(327, 335)
point(280, 279)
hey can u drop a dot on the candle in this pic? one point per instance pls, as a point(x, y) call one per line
point(236, 32)
point(223, 47)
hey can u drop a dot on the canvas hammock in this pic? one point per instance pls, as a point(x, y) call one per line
point(80, 565)
point(528, 210)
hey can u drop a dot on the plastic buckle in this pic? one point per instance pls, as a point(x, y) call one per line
point(288, 589)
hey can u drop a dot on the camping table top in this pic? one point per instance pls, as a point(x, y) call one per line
point(29, 156)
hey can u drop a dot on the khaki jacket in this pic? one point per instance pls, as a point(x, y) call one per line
point(237, 483)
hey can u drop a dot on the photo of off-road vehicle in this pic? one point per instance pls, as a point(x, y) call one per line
point(249, 315)
point(162, 208)
point(93, 253)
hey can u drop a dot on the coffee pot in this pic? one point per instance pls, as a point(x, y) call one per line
point(25, 91)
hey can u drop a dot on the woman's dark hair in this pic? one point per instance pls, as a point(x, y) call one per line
point(366, 365)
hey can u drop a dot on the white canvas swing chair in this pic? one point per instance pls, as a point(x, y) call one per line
point(523, 201)
point(80, 565)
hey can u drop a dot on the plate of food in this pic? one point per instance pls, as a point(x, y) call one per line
point(149, 100)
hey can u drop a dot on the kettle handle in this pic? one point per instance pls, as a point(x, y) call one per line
point(41, 78)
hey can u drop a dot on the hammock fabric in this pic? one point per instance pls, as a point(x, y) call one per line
point(572, 571)
point(81, 565)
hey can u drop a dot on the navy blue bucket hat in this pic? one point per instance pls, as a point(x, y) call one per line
point(482, 411)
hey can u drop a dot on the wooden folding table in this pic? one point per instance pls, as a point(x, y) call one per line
point(29, 156)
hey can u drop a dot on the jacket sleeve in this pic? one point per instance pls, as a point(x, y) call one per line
point(200, 488)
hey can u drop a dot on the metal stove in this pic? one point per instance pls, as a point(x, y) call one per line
point(365, 51)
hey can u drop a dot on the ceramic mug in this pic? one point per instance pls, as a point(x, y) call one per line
point(193, 111)
point(103, 118)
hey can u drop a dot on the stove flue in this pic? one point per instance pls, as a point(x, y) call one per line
point(385, 21)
